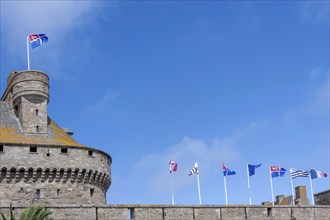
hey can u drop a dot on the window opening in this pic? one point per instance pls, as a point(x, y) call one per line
point(64, 150)
point(90, 153)
point(92, 192)
point(37, 112)
point(37, 128)
point(58, 192)
point(37, 195)
point(33, 150)
point(1, 148)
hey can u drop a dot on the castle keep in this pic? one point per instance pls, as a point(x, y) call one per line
point(40, 161)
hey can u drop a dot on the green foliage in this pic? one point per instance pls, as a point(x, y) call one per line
point(36, 212)
point(11, 216)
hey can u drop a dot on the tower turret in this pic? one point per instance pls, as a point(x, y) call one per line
point(28, 95)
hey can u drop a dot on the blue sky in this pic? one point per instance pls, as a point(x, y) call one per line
point(208, 81)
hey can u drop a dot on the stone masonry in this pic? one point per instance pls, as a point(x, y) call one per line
point(178, 212)
point(39, 161)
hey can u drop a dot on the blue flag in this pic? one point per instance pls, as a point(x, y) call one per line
point(37, 40)
point(277, 171)
point(226, 171)
point(252, 169)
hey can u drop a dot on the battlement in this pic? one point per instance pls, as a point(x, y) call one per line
point(180, 212)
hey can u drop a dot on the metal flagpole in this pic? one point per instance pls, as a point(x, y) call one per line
point(271, 186)
point(224, 179)
point(199, 190)
point(28, 51)
point(293, 198)
point(310, 181)
point(172, 188)
point(247, 169)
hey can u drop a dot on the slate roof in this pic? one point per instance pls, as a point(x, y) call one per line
point(10, 132)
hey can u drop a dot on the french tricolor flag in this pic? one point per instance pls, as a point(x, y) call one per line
point(317, 174)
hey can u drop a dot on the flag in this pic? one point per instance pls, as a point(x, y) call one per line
point(173, 166)
point(252, 169)
point(317, 174)
point(37, 40)
point(226, 171)
point(194, 170)
point(277, 171)
point(298, 173)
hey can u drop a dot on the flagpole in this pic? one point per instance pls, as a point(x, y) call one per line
point(224, 179)
point(199, 190)
point(28, 51)
point(247, 169)
point(293, 197)
point(172, 188)
point(271, 186)
point(311, 184)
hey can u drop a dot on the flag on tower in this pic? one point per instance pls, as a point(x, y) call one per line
point(194, 170)
point(173, 166)
point(252, 169)
point(37, 39)
point(277, 171)
point(226, 171)
point(317, 174)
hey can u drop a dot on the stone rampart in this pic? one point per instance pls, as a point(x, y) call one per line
point(53, 175)
point(178, 212)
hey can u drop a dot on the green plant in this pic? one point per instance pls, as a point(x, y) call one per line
point(36, 212)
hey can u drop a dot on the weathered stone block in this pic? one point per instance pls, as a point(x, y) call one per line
point(277, 213)
point(183, 213)
point(207, 213)
point(256, 213)
point(147, 213)
point(109, 213)
point(229, 213)
point(303, 212)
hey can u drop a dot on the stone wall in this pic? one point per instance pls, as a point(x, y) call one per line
point(78, 175)
point(168, 212)
point(322, 198)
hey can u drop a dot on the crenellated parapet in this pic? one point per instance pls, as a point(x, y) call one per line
point(58, 175)
point(39, 160)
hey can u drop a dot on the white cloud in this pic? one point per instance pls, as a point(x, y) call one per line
point(148, 180)
point(315, 11)
point(317, 97)
point(103, 102)
point(57, 19)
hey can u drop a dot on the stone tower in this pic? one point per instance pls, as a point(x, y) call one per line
point(39, 161)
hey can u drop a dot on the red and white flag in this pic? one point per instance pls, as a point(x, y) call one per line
point(173, 166)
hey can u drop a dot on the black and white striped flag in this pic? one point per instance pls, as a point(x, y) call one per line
point(194, 170)
point(299, 173)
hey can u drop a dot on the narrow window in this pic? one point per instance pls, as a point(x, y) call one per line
point(58, 192)
point(92, 192)
point(37, 195)
point(90, 153)
point(64, 150)
point(33, 150)
point(1, 148)
point(21, 189)
point(37, 128)
point(37, 112)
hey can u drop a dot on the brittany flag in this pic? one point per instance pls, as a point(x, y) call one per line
point(173, 166)
point(37, 39)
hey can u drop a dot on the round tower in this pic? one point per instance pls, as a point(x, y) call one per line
point(40, 161)
point(29, 94)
